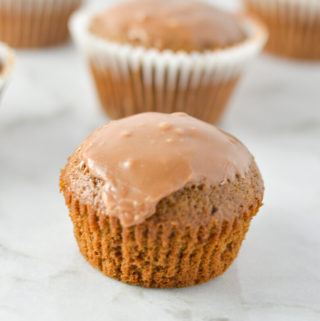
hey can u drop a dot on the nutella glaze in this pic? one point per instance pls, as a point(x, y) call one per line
point(188, 25)
point(146, 157)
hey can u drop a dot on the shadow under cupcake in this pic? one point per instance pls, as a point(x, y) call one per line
point(166, 56)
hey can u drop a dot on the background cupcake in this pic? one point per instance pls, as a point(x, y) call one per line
point(166, 55)
point(34, 23)
point(161, 200)
point(294, 26)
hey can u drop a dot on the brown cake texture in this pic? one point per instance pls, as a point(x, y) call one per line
point(193, 236)
point(159, 55)
point(30, 24)
point(294, 26)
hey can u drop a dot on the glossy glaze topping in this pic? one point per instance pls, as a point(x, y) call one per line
point(187, 25)
point(146, 157)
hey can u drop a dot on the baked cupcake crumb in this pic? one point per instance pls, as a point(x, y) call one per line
point(142, 220)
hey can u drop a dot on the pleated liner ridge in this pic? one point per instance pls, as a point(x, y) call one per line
point(32, 23)
point(154, 254)
point(294, 26)
point(121, 95)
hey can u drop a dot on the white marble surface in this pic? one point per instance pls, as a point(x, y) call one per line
point(50, 107)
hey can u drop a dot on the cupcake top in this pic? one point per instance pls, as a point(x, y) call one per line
point(187, 25)
point(146, 157)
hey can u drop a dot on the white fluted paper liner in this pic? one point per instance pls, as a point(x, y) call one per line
point(32, 23)
point(167, 69)
point(218, 65)
point(7, 61)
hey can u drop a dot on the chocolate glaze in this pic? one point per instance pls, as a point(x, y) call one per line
point(146, 157)
point(187, 25)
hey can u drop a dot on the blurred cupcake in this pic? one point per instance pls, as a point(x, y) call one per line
point(161, 200)
point(164, 55)
point(7, 60)
point(34, 23)
point(294, 26)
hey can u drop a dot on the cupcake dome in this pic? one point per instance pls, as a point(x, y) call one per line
point(166, 56)
point(169, 25)
point(161, 200)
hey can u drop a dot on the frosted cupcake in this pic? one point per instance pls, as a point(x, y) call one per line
point(35, 23)
point(294, 26)
point(163, 55)
point(161, 200)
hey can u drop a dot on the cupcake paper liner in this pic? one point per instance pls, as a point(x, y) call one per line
point(35, 23)
point(294, 26)
point(154, 255)
point(131, 79)
point(7, 61)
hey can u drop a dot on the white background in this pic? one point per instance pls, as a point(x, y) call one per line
point(50, 107)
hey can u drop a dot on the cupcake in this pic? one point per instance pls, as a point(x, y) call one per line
point(166, 56)
point(161, 200)
point(35, 23)
point(7, 61)
point(294, 26)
